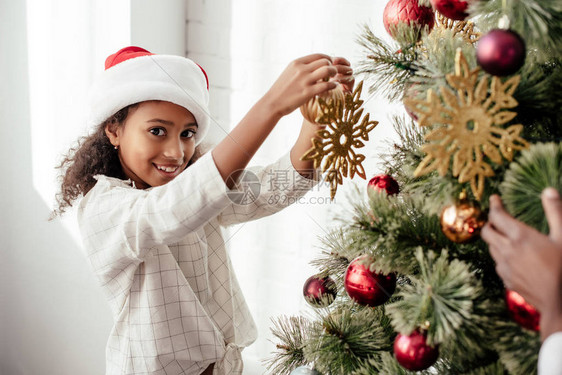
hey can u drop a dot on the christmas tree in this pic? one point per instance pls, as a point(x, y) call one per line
point(406, 284)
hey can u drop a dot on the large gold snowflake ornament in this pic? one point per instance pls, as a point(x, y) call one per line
point(345, 129)
point(467, 125)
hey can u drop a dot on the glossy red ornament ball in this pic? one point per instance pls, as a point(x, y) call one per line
point(412, 352)
point(384, 182)
point(453, 9)
point(521, 312)
point(319, 291)
point(501, 52)
point(408, 12)
point(366, 287)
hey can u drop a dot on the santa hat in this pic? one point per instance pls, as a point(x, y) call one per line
point(134, 75)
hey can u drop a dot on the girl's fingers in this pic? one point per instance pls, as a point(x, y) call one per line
point(317, 64)
point(340, 61)
point(314, 57)
point(323, 86)
point(344, 78)
point(323, 73)
point(344, 70)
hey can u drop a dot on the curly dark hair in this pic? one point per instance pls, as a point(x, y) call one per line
point(93, 155)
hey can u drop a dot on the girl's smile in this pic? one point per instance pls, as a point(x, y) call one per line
point(155, 142)
point(169, 171)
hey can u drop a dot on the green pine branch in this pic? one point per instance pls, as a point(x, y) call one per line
point(346, 337)
point(441, 295)
point(292, 333)
point(534, 170)
point(386, 67)
point(539, 99)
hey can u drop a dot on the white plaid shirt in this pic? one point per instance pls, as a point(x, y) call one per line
point(160, 258)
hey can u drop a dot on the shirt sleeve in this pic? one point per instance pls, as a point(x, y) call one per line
point(112, 214)
point(263, 191)
point(550, 355)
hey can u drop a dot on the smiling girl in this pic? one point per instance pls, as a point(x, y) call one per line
point(152, 207)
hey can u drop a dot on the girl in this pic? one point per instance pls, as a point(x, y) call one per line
point(152, 207)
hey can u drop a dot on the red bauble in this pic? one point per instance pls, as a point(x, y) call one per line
point(319, 291)
point(412, 352)
point(407, 12)
point(366, 287)
point(384, 182)
point(453, 9)
point(521, 312)
point(501, 52)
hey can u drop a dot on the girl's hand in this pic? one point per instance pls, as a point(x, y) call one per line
point(301, 80)
point(344, 77)
point(528, 261)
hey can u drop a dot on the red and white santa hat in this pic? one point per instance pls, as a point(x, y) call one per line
point(134, 75)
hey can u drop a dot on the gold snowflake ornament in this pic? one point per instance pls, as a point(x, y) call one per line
point(467, 125)
point(345, 130)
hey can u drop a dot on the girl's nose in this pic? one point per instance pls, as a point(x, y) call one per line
point(174, 149)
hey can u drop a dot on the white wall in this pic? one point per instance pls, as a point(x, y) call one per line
point(53, 318)
point(244, 45)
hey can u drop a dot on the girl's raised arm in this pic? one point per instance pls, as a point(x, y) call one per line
point(300, 81)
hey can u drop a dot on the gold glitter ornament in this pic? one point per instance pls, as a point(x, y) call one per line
point(466, 125)
point(464, 28)
point(312, 110)
point(345, 129)
point(462, 222)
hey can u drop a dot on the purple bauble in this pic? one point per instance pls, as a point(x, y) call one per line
point(501, 52)
point(319, 291)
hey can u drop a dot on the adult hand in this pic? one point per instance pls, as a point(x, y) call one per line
point(528, 261)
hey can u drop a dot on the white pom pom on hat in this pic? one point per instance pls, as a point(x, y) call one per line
point(134, 75)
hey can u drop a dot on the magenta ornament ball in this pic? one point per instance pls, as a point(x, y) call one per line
point(501, 52)
point(319, 291)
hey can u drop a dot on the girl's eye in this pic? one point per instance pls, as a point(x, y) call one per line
point(188, 133)
point(157, 131)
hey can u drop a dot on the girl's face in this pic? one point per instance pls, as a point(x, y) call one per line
point(156, 141)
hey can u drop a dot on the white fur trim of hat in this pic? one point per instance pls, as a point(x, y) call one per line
point(134, 75)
